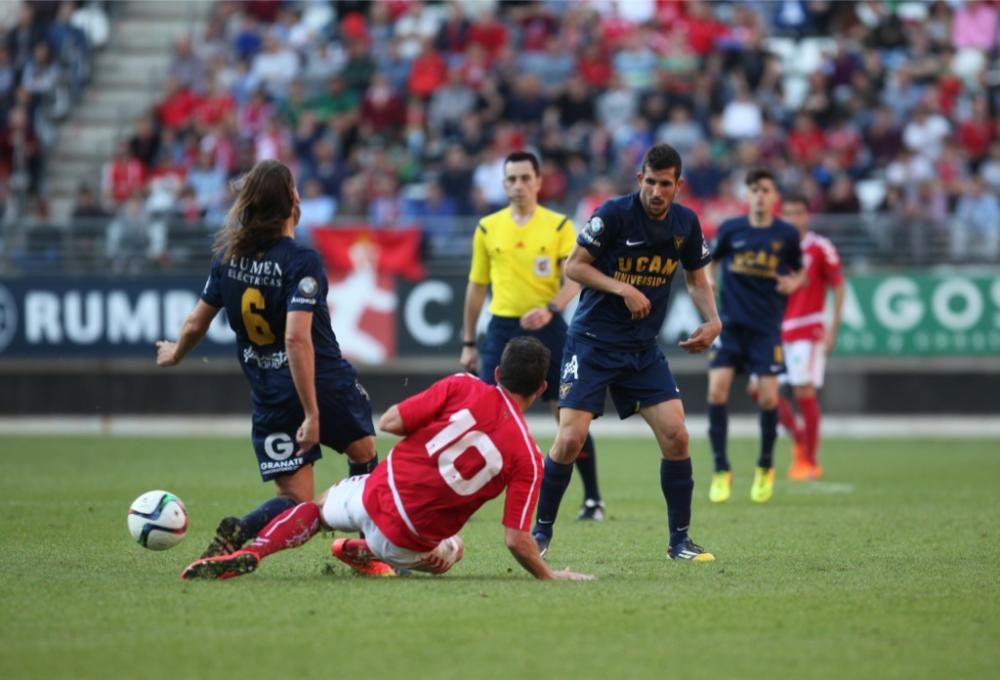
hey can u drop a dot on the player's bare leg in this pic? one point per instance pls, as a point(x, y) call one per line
point(361, 456)
point(808, 403)
point(767, 399)
point(586, 465)
point(666, 419)
point(720, 381)
point(574, 426)
point(233, 532)
point(290, 529)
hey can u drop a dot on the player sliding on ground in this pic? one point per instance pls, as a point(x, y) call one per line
point(464, 442)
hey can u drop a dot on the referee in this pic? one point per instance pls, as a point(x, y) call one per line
point(519, 252)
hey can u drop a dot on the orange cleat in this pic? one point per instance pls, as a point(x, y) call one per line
point(801, 470)
point(355, 553)
point(815, 472)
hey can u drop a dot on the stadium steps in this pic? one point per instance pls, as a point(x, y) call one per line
point(128, 77)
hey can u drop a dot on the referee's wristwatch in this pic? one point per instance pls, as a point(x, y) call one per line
point(468, 343)
point(553, 308)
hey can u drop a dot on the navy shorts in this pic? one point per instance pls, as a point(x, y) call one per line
point(345, 415)
point(747, 350)
point(503, 329)
point(636, 379)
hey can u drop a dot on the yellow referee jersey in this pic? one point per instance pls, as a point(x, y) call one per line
point(522, 264)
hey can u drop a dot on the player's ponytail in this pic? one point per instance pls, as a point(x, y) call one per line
point(264, 202)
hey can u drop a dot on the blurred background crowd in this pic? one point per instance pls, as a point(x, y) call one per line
point(400, 112)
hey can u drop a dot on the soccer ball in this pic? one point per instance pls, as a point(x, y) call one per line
point(157, 520)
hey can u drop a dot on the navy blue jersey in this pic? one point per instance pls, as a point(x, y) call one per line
point(257, 294)
point(630, 246)
point(752, 257)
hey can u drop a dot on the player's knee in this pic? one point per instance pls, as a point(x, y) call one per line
point(675, 442)
point(568, 444)
point(767, 402)
point(361, 450)
point(717, 394)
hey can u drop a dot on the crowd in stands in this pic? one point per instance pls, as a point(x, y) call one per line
point(45, 61)
point(401, 112)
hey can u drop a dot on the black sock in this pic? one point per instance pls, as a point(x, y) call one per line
point(355, 469)
point(257, 519)
point(677, 484)
point(768, 433)
point(554, 484)
point(718, 430)
point(586, 465)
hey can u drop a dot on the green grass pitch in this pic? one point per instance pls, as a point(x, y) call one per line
point(886, 569)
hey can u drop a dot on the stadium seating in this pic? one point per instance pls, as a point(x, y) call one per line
point(258, 81)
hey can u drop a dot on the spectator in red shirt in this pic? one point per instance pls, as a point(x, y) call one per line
point(595, 66)
point(122, 176)
point(382, 110)
point(428, 71)
point(806, 141)
point(489, 33)
point(177, 106)
point(702, 28)
point(977, 132)
point(214, 107)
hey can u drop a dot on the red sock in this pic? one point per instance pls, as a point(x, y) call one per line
point(809, 408)
point(290, 529)
point(787, 417)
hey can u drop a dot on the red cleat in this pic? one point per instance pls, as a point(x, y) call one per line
point(355, 553)
point(222, 567)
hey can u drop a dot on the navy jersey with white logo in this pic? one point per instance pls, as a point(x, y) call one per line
point(257, 293)
point(752, 258)
point(629, 246)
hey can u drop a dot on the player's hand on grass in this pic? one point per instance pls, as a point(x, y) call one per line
point(702, 338)
point(536, 318)
point(308, 435)
point(469, 359)
point(166, 354)
point(567, 575)
point(637, 303)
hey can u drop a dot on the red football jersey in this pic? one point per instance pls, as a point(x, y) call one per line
point(804, 312)
point(467, 442)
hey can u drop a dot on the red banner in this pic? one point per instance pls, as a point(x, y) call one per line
point(362, 265)
point(395, 251)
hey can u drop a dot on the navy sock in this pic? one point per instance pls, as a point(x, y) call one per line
point(355, 469)
point(677, 484)
point(554, 484)
point(257, 519)
point(586, 465)
point(718, 430)
point(768, 433)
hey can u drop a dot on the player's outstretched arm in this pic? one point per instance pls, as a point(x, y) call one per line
point(700, 286)
point(194, 329)
point(475, 296)
point(838, 311)
point(391, 422)
point(522, 546)
point(302, 364)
